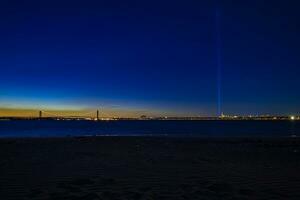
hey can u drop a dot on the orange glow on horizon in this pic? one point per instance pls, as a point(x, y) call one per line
point(103, 113)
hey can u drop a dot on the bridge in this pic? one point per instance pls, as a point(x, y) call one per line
point(64, 115)
point(88, 115)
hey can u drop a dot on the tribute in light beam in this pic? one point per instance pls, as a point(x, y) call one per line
point(219, 63)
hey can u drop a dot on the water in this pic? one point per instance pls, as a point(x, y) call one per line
point(153, 128)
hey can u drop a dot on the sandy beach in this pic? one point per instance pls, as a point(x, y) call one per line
point(149, 168)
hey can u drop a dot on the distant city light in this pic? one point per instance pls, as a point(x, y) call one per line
point(292, 117)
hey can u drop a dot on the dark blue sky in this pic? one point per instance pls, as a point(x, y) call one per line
point(151, 55)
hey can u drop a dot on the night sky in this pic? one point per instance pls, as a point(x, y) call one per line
point(151, 57)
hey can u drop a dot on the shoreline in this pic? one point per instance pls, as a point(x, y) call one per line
point(160, 136)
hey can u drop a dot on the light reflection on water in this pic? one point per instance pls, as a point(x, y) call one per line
point(45, 128)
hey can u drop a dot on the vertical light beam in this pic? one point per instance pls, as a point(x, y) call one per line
point(219, 63)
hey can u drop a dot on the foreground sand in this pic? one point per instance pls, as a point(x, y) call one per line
point(149, 168)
